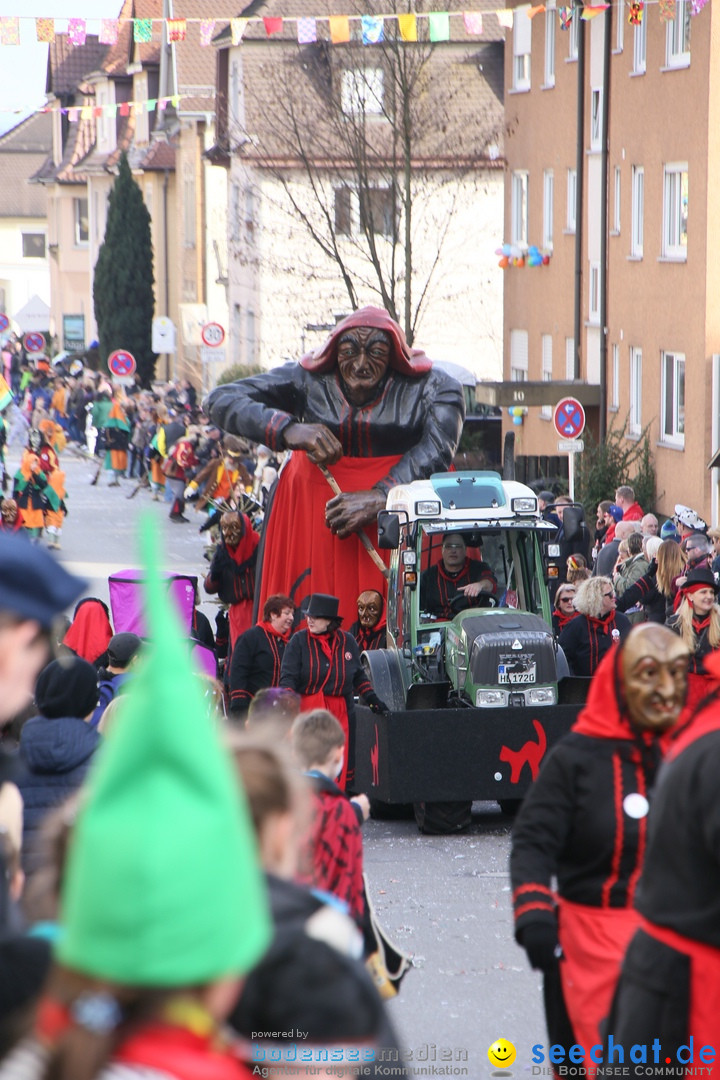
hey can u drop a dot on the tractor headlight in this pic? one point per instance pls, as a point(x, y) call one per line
point(525, 504)
point(489, 698)
point(427, 508)
point(541, 695)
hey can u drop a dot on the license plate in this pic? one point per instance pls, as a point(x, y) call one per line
point(526, 676)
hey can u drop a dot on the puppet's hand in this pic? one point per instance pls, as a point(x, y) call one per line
point(347, 513)
point(321, 445)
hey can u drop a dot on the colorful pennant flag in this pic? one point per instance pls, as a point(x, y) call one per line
point(142, 31)
point(124, 108)
point(76, 31)
point(237, 29)
point(74, 114)
point(108, 32)
point(339, 29)
point(86, 113)
point(589, 11)
point(407, 25)
point(306, 31)
point(535, 11)
point(10, 30)
point(473, 22)
point(439, 25)
point(97, 111)
point(373, 29)
point(207, 29)
point(272, 25)
point(175, 101)
point(696, 6)
point(565, 14)
point(45, 30)
point(151, 104)
point(505, 18)
point(667, 10)
point(176, 29)
point(111, 111)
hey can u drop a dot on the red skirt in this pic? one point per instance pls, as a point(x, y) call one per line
point(594, 941)
point(301, 556)
point(338, 707)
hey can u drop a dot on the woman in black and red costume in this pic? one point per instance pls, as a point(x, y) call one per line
point(584, 822)
point(376, 413)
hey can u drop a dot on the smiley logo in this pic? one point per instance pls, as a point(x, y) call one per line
point(502, 1053)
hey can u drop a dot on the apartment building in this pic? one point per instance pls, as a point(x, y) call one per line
point(611, 146)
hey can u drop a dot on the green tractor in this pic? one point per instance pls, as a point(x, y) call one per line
point(476, 698)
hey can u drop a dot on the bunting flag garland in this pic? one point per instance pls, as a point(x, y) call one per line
point(635, 16)
point(472, 21)
point(207, 29)
point(667, 10)
point(306, 31)
point(9, 30)
point(45, 30)
point(77, 31)
point(407, 25)
point(439, 25)
point(373, 29)
point(696, 6)
point(589, 11)
point(176, 29)
point(142, 31)
point(505, 18)
point(237, 29)
point(109, 29)
point(339, 29)
point(537, 10)
point(565, 15)
point(272, 25)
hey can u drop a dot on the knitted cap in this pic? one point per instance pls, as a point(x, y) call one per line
point(163, 886)
point(66, 687)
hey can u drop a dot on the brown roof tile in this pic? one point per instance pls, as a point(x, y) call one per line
point(69, 64)
point(196, 63)
point(32, 135)
point(159, 157)
point(18, 197)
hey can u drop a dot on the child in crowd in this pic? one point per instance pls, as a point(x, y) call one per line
point(331, 855)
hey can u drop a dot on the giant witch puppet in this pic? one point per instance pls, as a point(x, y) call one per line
point(375, 413)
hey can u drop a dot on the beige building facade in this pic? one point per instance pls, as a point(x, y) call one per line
point(639, 243)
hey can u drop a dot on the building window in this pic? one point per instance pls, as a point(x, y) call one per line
point(250, 342)
point(677, 41)
point(548, 208)
point(571, 199)
point(522, 38)
point(635, 416)
point(550, 28)
point(363, 91)
point(519, 209)
point(518, 355)
point(638, 211)
point(343, 210)
point(569, 358)
point(33, 245)
point(189, 206)
point(547, 373)
point(234, 209)
point(250, 213)
point(594, 309)
point(575, 26)
point(675, 211)
point(673, 398)
point(640, 47)
point(615, 378)
point(595, 119)
point(82, 231)
point(616, 208)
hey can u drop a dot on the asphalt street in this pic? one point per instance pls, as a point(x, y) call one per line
point(444, 900)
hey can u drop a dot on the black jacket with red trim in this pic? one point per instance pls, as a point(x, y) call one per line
point(256, 663)
point(307, 669)
point(573, 824)
point(585, 640)
point(438, 588)
point(376, 638)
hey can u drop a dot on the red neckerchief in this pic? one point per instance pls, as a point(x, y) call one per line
point(606, 624)
point(465, 569)
point(247, 544)
point(270, 629)
point(327, 642)
point(563, 618)
point(181, 1053)
point(699, 624)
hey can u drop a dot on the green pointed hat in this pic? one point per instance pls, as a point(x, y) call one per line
point(163, 886)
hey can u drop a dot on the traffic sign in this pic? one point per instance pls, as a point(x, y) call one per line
point(34, 342)
point(121, 363)
point(213, 334)
point(569, 418)
point(570, 446)
point(4, 321)
point(163, 335)
point(212, 355)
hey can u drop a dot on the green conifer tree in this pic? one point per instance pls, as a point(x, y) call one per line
point(123, 294)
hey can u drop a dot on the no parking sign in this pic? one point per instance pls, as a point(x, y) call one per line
point(121, 363)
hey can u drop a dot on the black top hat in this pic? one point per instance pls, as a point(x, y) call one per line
point(702, 578)
point(323, 606)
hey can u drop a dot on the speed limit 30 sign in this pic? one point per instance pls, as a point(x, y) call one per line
point(212, 334)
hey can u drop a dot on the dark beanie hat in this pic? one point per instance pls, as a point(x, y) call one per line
point(66, 687)
point(122, 648)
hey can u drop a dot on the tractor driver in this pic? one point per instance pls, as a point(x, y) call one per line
point(455, 576)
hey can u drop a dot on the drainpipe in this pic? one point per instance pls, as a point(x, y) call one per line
point(579, 181)
point(604, 216)
point(166, 261)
